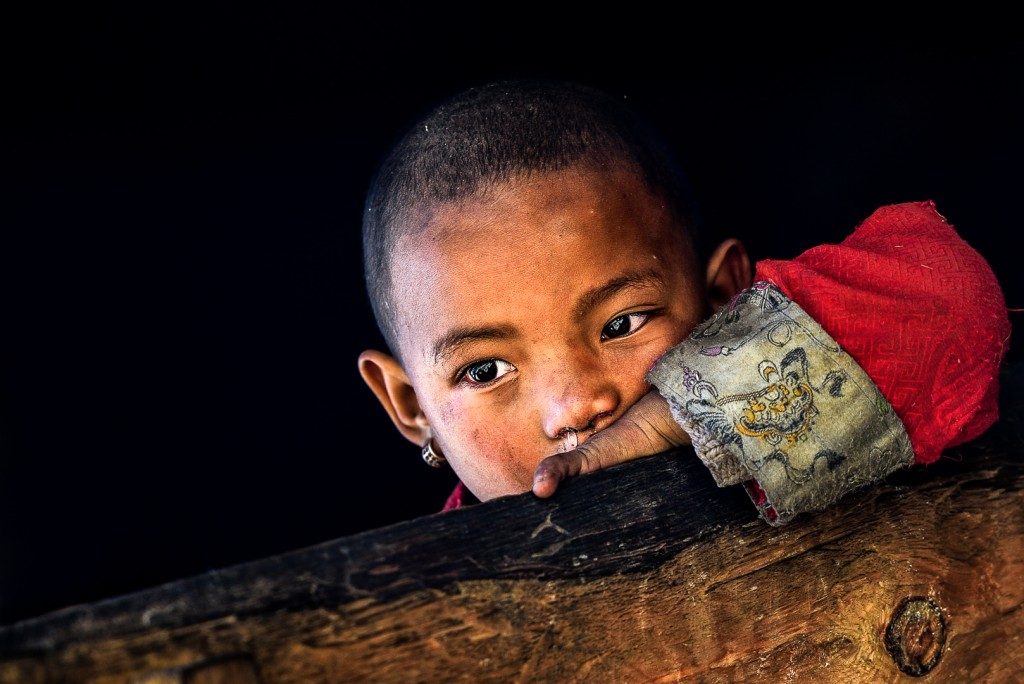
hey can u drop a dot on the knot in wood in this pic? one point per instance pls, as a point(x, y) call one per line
point(916, 635)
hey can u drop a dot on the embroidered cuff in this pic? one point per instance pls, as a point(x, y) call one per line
point(771, 401)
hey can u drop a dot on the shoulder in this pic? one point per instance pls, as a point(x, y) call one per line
point(919, 220)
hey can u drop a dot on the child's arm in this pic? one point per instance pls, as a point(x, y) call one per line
point(835, 369)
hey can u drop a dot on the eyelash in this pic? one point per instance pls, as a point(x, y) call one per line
point(462, 377)
point(648, 315)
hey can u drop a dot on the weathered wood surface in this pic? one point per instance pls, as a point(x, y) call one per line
point(643, 572)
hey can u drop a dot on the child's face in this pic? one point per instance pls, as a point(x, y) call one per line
point(535, 309)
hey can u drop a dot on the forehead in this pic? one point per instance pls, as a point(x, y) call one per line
point(607, 194)
point(528, 244)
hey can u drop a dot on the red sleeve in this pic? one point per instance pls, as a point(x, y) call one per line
point(921, 312)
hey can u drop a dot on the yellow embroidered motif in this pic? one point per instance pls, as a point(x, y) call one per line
point(782, 409)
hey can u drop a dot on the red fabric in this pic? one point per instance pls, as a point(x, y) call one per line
point(456, 498)
point(918, 308)
point(921, 312)
point(759, 498)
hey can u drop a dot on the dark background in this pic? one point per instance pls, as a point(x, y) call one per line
point(182, 300)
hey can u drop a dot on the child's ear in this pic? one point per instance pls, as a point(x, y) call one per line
point(389, 382)
point(728, 272)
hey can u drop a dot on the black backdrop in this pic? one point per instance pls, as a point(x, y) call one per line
point(182, 300)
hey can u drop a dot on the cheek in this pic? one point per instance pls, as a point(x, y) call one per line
point(485, 448)
point(638, 385)
point(665, 334)
point(676, 328)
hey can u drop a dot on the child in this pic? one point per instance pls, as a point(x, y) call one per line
point(535, 265)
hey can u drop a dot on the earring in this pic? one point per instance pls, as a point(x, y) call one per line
point(432, 457)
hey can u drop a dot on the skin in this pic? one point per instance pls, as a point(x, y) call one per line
point(574, 282)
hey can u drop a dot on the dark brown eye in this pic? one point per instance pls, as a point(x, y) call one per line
point(620, 326)
point(483, 372)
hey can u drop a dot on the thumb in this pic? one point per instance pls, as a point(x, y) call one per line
point(646, 428)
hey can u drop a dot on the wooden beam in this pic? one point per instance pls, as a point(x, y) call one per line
point(645, 571)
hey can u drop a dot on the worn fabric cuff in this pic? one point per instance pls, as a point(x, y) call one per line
point(771, 401)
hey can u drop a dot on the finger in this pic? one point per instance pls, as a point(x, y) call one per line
point(647, 428)
point(622, 441)
point(556, 468)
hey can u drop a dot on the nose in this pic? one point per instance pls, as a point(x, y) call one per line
point(579, 395)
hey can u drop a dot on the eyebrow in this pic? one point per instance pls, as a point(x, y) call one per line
point(593, 298)
point(453, 339)
point(447, 345)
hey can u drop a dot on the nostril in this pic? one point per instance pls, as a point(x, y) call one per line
point(600, 421)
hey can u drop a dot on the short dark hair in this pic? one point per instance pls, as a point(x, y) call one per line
point(492, 133)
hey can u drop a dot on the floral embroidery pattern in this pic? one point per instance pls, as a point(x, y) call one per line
point(782, 409)
point(768, 299)
point(770, 400)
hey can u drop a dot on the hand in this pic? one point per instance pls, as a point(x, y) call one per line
point(647, 428)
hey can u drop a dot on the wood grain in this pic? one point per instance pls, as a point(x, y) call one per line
point(644, 572)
